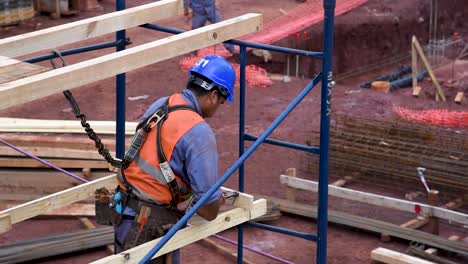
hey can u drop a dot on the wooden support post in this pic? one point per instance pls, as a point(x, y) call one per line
point(439, 92)
point(433, 199)
point(414, 71)
point(291, 192)
point(460, 98)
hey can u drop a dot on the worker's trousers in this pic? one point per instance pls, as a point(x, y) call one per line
point(202, 14)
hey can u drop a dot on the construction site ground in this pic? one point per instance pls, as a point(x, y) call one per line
point(262, 170)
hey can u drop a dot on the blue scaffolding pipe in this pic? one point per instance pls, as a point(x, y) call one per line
point(311, 237)
point(275, 142)
point(241, 43)
point(53, 55)
point(243, 62)
point(120, 94)
point(325, 111)
point(183, 221)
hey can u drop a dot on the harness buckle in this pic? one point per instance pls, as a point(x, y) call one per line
point(159, 115)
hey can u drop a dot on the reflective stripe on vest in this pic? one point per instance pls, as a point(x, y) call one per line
point(144, 173)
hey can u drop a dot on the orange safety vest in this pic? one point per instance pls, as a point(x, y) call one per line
point(144, 173)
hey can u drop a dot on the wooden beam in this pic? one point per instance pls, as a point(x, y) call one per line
point(19, 70)
point(13, 162)
point(372, 225)
point(55, 201)
point(376, 199)
point(439, 91)
point(50, 38)
point(190, 234)
point(53, 153)
point(58, 80)
point(393, 257)
point(68, 210)
point(243, 200)
point(61, 126)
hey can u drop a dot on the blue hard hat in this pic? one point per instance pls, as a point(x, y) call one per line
point(219, 71)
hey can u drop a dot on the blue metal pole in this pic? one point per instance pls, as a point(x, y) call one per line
point(121, 94)
point(73, 51)
point(240, 231)
point(311, 237)
point(312, 54)
point(327, 83)
point(183, 221)
point(275, 142)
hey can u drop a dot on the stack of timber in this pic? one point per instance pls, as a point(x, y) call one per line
point(37, 248)
point(389, 154)
point(23, 178)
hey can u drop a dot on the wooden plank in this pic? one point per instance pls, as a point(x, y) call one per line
point(55, 201)
point(69, 210)
point(18, 71)
point(88, 28)
point(13, 162)
point(53, 153)
point(90, 225)
point(58, 80)
point(372, 225)
point(393, 257)
point(420, 51)
point(190, 234)
point(244, 200)
point(61, 126)
point(376, 199)
point(5, 61)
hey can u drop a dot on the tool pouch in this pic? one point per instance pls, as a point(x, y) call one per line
point(105, 205)
point(159, 220)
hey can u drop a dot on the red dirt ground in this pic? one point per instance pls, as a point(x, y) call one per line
point(391, 20)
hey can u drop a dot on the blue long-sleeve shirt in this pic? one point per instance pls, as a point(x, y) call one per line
point(195, 155)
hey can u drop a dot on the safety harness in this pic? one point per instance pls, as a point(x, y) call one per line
point(143, 128)
point(157, 119)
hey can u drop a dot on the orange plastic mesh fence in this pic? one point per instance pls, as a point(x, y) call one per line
point(296, 20)
point(255, 76)
point(439, 117)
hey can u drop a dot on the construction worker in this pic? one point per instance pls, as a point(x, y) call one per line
point(177, 160)
point(202, 11)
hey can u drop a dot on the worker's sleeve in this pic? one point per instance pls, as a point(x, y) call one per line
point(186, 3)
point(201, 161)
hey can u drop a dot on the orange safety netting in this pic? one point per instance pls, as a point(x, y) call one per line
point(254, 76)
point(296, 20)
point(440, 117)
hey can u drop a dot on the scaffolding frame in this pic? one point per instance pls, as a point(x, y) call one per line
point(326, 79)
